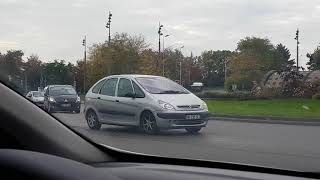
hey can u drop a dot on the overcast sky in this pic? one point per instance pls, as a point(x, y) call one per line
point(54, 29)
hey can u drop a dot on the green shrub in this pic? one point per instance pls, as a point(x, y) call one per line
point(269, 93)
point(228, 85)
point(316, 96)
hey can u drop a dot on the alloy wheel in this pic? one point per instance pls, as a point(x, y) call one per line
point(93, 121)
point(149, 123)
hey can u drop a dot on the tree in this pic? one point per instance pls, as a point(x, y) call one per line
point(12, 71)
point(191, 70)
point(34, 72)
point(262, 49)
point(13, 63)
point(314, 60)
point(282, 58)
point(79, 74)
point(149, 63)
point(213, 63)
point(244, 68)
point(172, 60)
point(58, 72)
point(125, 54)
point(293, 83)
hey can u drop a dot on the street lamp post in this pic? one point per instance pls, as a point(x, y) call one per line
point(108, 26)
point(167, 35)
point(181, 68)
point(84, 43)
point(160, 34)
point(297, 39)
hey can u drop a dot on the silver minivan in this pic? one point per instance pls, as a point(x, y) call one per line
point(145, 101)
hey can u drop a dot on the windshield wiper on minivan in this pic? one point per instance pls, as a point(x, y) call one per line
point(171, 92)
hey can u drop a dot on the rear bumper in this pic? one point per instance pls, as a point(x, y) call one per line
point(177, 120)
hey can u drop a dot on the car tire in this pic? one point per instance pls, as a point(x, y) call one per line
point(77, 111)
point(148, 123)
point(194, 130)
point(92, 120)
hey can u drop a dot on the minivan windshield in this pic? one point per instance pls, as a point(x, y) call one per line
point(54, 91)
point(160, 85)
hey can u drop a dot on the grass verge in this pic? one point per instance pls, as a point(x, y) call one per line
point(290, 108)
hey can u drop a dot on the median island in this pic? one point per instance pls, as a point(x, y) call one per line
point(288, 108)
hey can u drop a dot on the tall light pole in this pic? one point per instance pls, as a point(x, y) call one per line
point(167, 35)
point(181, 67)
point(108, 26)
point(160, 34)
point(297, 39)
point(84, 43)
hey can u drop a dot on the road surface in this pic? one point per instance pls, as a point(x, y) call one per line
point(283, 146)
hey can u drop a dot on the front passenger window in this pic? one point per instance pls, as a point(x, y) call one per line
point(125, 88)
point(139, 93)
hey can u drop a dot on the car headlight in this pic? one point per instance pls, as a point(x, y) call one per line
point(78, 99)
point(165, 105)
point(51, 99)
point(204, 105)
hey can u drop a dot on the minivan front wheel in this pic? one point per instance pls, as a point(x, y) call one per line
point(92, 120)
point(49, 109)
point(148, 123)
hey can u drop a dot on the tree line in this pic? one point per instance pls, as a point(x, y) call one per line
point(130, 54)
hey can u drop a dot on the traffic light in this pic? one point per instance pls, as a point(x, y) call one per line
point(83, 42)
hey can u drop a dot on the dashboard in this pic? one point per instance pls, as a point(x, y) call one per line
point(142, 171)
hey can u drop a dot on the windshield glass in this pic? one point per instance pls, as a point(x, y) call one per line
point(219, 80)
point(55, 91)
point(159, 85)
point(37, 94)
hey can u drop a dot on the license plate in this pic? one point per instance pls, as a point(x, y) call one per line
point(65, 105)
point(192, 116)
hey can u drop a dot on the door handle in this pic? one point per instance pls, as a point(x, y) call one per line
point(99, 97)
point(117, 100)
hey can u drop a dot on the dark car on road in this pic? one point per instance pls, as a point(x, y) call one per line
point(61, 98)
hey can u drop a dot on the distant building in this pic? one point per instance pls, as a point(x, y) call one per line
point(274, 80)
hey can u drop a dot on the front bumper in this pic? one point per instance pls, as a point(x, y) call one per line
point(177, 119)
point(74, 106)
point(39, 103)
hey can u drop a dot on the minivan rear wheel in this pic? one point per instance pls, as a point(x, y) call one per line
point(92, 120)
point(148, 123)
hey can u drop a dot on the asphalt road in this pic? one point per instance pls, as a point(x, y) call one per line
point(283, 146)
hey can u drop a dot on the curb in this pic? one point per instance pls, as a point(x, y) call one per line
point(266, 120)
